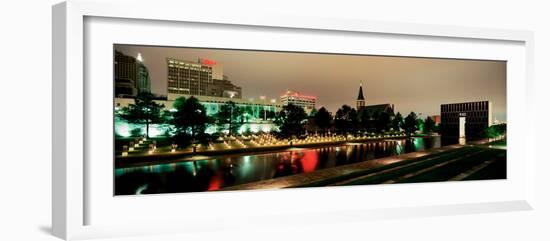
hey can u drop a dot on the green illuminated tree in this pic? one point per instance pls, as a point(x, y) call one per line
point(420, 125)
point(230, 115)
point(144, 111)
point(410, 124)
point(313, 112)
point(495, 131)
point(323, 119)
point(291, 121)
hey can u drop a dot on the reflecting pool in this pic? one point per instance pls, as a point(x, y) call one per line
point(214, 173)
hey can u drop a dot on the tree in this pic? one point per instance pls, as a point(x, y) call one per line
point(144, 111)
point(397, 122)
point(495, 131)
point(345, 119)
point(364, 119)
point(270, 114)
point(410, 123)
point(382, 121)
point(323, 119)
point(420, 125)
point(313, 112)
point(429, 125)
point(291, 120)
point(230, 114)
point(189, 118)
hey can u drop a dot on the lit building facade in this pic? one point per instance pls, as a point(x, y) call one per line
point(131, 75)
point(436, 119)
point(202, 78)
point(224, 88)
point(469, 119)
point(295, 98)
point(188, 78)
point(143, 80)
point(258, 115)
point(125, 71)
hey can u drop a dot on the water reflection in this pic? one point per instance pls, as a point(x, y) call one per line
point(216, 173)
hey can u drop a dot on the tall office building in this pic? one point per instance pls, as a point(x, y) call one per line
point(188, 78)
point(295, 98)
point(202, 78)
point(224, 88)
point(143, 81)
point(125, 72)
point(131, 75)
point(469, 119)
point(217, 68)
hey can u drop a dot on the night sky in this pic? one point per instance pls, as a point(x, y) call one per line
point(411, 84)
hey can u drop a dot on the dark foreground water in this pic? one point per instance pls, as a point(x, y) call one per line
point(218, 172)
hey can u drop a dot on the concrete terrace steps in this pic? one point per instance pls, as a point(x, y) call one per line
point(429, 169)
point(415, 167)
point(449, 170)
point(475, 169)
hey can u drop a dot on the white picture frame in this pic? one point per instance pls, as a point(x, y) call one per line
point(72, 190)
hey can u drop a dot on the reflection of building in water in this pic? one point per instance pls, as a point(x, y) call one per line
point(469, 119)
point(257, 114)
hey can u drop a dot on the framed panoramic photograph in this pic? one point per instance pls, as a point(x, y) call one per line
point(171, 123)
point(199, 119)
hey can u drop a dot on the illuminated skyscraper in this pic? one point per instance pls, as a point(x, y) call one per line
point(202, 78)
point(131, 75)
point(188, 78)
point(295, 98)
point(143, 81)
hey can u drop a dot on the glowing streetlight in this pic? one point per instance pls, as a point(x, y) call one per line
point(174, 146)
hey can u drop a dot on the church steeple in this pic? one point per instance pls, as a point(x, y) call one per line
point(360, 98)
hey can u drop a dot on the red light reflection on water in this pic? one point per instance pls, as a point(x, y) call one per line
point(309, 161)
point(215, 183)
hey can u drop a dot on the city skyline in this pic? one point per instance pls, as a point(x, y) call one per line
point(411, 84)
